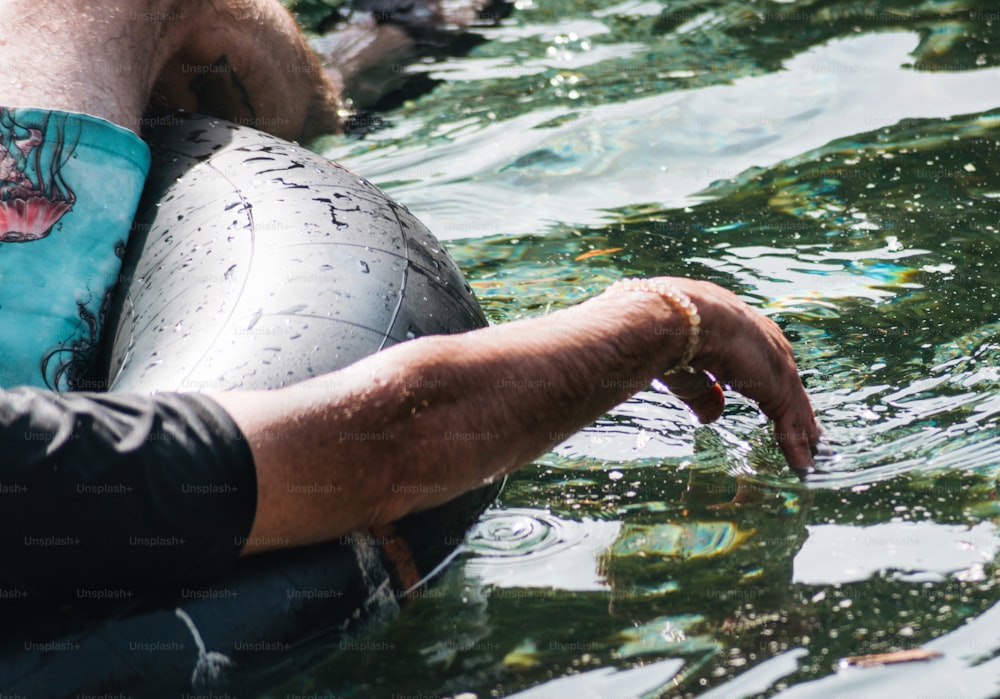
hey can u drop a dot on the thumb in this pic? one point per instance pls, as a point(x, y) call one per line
point(700, 391)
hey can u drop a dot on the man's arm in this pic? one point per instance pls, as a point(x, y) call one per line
point(179, 485)
point(422, 422)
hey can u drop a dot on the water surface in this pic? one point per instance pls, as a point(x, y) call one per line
point(838, 165)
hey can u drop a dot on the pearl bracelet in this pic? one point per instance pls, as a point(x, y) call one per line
point(679, 300)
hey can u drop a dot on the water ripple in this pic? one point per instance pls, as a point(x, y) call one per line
point(524, 548)
point(518, 534)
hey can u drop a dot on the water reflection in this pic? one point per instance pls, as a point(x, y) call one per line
point(785, 588)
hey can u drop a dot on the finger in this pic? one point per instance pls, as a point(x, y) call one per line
point(782, 397)
point(699, 391)
point(798, 435)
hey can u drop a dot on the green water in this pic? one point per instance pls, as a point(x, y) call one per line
point(836, 163)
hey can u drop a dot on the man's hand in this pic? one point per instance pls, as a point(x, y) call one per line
point(743, 349)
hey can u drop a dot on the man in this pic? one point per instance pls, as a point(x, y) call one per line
point(110, 61)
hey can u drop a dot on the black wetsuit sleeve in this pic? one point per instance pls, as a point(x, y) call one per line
point(101, 489)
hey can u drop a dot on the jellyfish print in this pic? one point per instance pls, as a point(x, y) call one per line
point(33, 194)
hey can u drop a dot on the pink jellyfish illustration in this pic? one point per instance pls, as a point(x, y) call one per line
point(33, 194)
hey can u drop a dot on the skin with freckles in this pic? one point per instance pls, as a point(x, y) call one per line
point(422, 422)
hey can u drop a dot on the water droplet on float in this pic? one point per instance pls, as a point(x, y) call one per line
point(254, 318)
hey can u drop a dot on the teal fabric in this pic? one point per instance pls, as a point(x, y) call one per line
point(69, 188)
